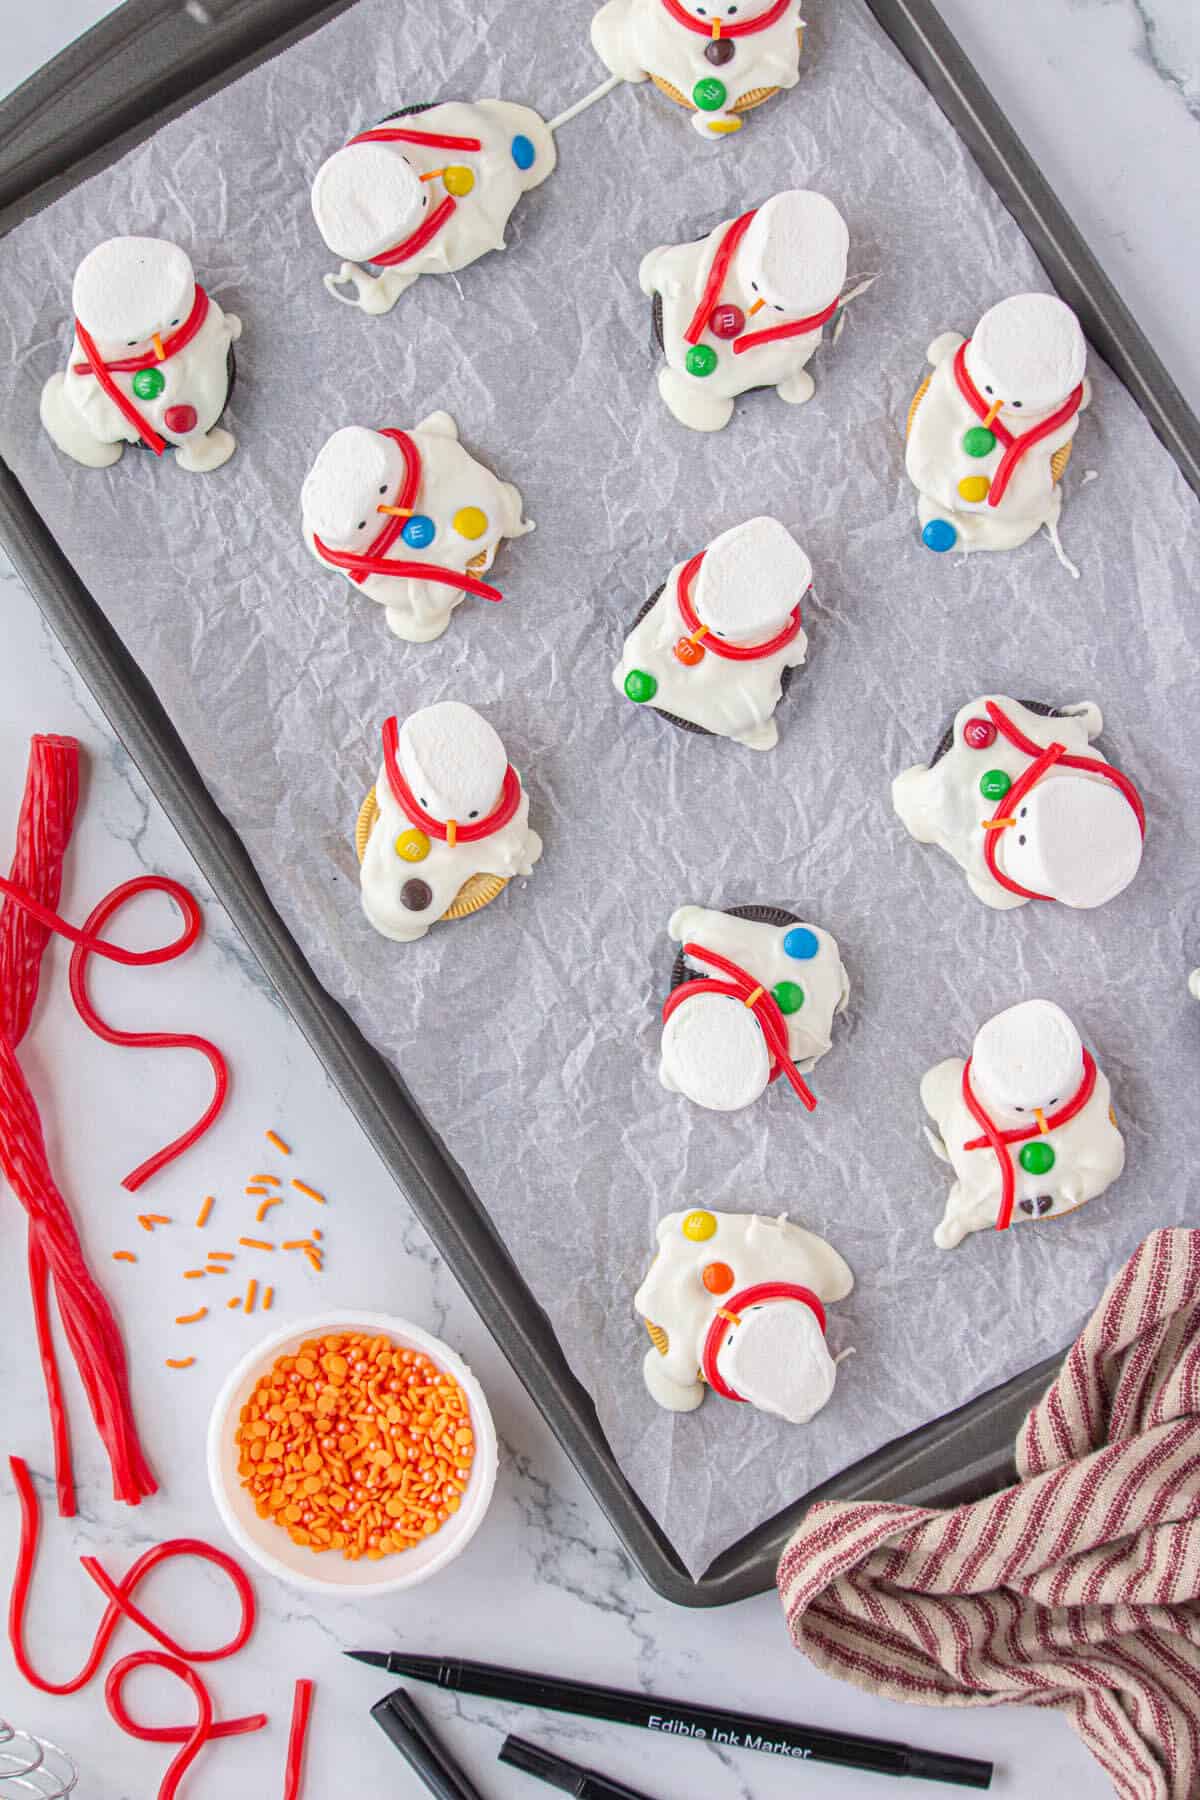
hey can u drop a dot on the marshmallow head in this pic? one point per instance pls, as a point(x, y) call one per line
point(714, 1052)
point(366, 199)
point(777, 1360)
point(453, 761)
point(356, 472)
point(1075, 839)
point(1026, 1059)
point(129, 288)
point(794, 256)
point(1030, 353)
point(751, 581)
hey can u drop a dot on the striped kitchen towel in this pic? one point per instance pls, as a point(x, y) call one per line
point(1077, 1588)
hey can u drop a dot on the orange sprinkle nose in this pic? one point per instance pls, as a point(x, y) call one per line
point(996, 408)
point(433, 174)
point(717, 1277)
point(159, 347)
point(452, 832)
point(396, 512)
point(716, 30)
point(757, 304)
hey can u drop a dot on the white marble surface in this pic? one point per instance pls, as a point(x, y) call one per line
point(1107, 94)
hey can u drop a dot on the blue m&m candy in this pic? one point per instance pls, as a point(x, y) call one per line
point(939, 535)
point(523, 152)
point(419, 532)
point(801, 943)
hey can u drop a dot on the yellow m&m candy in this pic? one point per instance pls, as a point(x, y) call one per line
point(698, 1226)
point(412, 846)
point(458, 180)
point(974, 488)
point(470, 522)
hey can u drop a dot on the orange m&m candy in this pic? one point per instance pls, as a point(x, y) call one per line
point(689, 652)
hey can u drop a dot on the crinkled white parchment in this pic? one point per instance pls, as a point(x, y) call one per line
point(529, 1033)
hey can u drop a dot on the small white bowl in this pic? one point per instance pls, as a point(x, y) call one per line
point(269, 1545)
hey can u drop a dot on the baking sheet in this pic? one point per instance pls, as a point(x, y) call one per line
point(528, 1035)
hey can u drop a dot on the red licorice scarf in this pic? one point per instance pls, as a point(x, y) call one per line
point(1015, 448)
point(450, 832)
point(429, 227)
point(129, 365)
point(738, 985)
point(748, 340)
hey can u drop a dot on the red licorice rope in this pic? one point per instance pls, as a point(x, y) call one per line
point(193, 1737)
point(745, 29)
point(749, 340)
point(1015, 448)
point(96, 366)
point(1045, 757)
point(718, 646)
point(738, 985)
point(504, 809)
point(441, 215)
point(373, 560)
point(998, 1141)
point(727, 1315)
point(408, 134)
point(297, 1740)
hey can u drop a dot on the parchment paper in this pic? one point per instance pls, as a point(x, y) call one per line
point(529, 1034)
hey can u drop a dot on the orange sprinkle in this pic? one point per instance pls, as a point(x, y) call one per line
point(235, 1302)
point(202, 1215)
point(302, 1187)
point(217, 1269)
point(158, 1218)
point(124, 1256)
point(251, 1294)
point(268, 1299)
point(271, 1180)
point(220, 1256)
point(314, 1257)
point(196, 1274)
point(191, 1318)
point(357, 1446)
point(256, 1190)
point(256, 1243)
point(318, 1234)
point(274, 1138)
point(265, 1207)
point(180, 1362)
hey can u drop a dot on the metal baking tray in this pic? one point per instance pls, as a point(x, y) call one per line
point(149, 61)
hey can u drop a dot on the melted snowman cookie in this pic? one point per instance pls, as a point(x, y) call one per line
point(990, 431)
point(719, 60)
point(1026, 1124)
point(746, 306)
point(715, 647)
point(427, 191)
point(151, 360)
point(736, 1302)
point(446, 826)
point(754, 993)
point(1014, 796)
point(410, 519)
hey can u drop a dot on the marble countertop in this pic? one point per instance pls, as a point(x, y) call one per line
point(544, 1584)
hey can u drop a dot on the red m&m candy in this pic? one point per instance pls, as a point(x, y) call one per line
point(978, 734)
point(726, 320)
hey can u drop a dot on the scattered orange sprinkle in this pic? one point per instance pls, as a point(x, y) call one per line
point(268, 1299)
point(251, 1294)
point(124, 1256)
point(196, 1274)
point(265, 1207)
point(314, 1257)
point(256, 1243)
point(274, 1138)
point(271, 1180)
point(302, 1187)
point(217, 1269)
point(236, 1301)
point(180, 1362)
point(356, 1445)
point(299, 1244)
point(256, 1190)
point(206, 1208)
point(191, 1318)
point(318, 1234)
point(220, 1256)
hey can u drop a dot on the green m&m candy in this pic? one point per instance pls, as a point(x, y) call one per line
point(709, 94)
point(640, 686)
point(1037, 1158)
point(700, 360)
point(148, 384)
point(789, 996)
point(994, 784)
point(979, 441)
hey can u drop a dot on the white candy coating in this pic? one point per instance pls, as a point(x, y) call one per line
point(1027, 1057)
point(451, 758)
point(782, 1364)
point(798, 250)
point(750, 582)
point(639, 38)
point(1082, 842)
point(713, 1049)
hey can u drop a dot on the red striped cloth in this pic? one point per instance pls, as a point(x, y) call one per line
point(1077, 1588)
